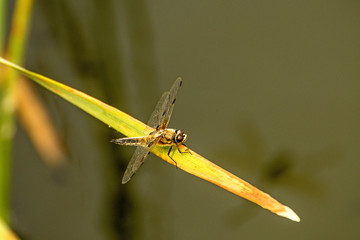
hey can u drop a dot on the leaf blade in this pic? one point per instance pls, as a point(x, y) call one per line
point(191, 163)
point(111, 116)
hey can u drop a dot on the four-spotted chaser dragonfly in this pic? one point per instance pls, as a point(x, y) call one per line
point(163, 136)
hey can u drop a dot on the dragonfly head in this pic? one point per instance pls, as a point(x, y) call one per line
point(180, 136)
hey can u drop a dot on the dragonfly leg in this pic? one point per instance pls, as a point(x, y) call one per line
point(187, 150)
point(171, 157)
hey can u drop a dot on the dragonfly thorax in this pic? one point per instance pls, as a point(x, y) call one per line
point(170, 136)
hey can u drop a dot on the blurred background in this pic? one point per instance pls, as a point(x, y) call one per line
point(270, 93)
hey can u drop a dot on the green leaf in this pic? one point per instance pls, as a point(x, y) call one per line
point(5, 232)
point(192, 163)
point(111, 116)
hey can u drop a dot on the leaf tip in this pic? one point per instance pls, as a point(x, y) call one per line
point(290, 214)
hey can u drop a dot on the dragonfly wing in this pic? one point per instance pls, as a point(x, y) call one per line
point(155, 118)
point(169, 104)
point(137, 160)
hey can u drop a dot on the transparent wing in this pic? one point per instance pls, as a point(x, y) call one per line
point(138, 159)
point(161, 115)
point(155, 118)
point(169, 104)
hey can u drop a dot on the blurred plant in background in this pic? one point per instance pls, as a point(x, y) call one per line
point(17, 98)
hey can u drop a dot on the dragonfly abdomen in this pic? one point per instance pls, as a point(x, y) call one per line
point(134, 141)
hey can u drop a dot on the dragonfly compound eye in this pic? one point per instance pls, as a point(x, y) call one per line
point(180, 137)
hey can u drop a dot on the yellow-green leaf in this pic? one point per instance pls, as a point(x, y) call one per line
point(131, 127)
point(5, 232)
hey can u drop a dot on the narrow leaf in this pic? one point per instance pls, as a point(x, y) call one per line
point(131, 127)
point(5, 232)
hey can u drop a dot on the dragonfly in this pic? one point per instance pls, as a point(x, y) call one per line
point(161, 136)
